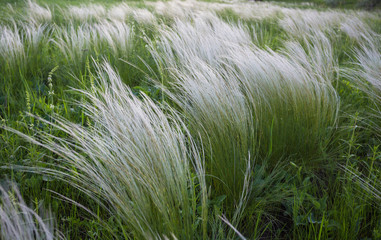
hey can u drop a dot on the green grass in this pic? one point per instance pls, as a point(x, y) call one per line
point(341, 4)
point(255, 121)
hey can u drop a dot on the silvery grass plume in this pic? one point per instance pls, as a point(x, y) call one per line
point(366, 76)
point(170, 9)
point(294, 103)
point(119, 12)
point(75, 42)
point(210, 97)
point(20, 48)
point(368, 57)
point(38, 14)
point(85, 13)
point(205, 36)
point(315, 54)
point(243, 100)
point(18, 221)
point(301, 22)
point(12, 51)
point(122, 11)
point(356, 29)
point(218, 112)
point(176, 9)
point(35, 36)
point(134, 159)
point(116, 35)
point(143, 16)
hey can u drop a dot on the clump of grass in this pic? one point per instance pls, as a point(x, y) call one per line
point(18, 221)
point(119, 12)
point(301, 22)
point(367, 74)
point(205, 37)
point(11, 47)
point(76, 43)
point(85, 13)
point(315, 53)
point(295, 105)
point(35, 40)
point(38, 14)
point(369, 62)
point(22, 54)
point(143, 16)
point(20, 44)
point(244, 101)
point(170, 9)
point(214, 105)
point(356, 29)
point(116, 35)
point(134, 160)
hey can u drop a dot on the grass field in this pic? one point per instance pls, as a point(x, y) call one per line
point(190, 120)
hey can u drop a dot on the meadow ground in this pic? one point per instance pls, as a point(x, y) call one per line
point(190, 120)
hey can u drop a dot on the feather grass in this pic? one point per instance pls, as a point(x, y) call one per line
point(18, 221)
point(134, 160)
